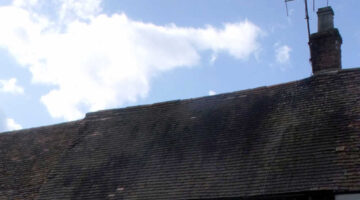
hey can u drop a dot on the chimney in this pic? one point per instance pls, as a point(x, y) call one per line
point(325, 45)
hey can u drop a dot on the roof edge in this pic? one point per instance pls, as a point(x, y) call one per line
point(40, 127)
point(109, 113)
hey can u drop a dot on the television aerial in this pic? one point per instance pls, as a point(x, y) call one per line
point(306, 12)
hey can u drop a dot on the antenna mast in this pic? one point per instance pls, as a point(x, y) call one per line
point(307, 18)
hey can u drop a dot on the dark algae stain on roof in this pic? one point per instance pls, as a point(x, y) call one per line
point(296, 137)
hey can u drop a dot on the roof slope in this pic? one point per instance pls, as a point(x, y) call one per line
point(27, 156)
point(299, 136)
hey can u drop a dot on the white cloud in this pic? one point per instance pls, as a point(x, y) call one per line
point(79, 8)
point(11, 125)
point(8, 124)
point(10, 86)
point(24, 3)
point(106, 61)
point(282, 53)
point(213, 58)
point(2, 122)
point(212, 92)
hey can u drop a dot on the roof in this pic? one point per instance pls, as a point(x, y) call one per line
point(301, 136)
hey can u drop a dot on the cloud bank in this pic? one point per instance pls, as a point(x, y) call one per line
point(96, 61)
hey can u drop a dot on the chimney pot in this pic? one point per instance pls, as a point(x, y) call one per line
point(325, 19)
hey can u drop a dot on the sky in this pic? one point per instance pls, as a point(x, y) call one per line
point(60, 59)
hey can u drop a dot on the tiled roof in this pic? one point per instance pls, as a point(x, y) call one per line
point(27, 156)
point(295, 137)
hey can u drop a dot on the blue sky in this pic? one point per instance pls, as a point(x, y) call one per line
point(63, 58)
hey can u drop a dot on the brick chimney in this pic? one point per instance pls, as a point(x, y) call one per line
point(325, 45)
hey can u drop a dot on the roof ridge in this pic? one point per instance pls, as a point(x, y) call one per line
point(116, 111)
point(218, 97)
point(40, 127)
